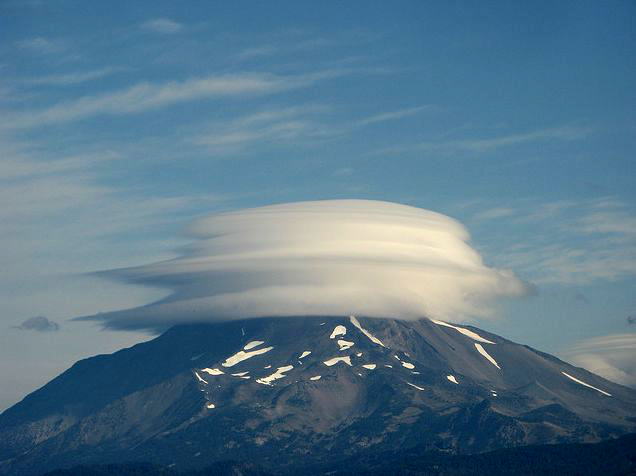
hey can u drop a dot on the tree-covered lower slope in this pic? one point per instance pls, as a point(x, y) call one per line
point(609, 458)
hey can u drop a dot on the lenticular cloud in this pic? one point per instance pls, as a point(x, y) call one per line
point(332, 257)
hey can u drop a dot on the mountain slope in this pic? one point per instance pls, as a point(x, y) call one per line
point(288, 391)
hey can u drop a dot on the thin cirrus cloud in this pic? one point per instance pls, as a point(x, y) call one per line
point(70, 79)
point(42, 46)
point(162, 25)
point(588, 240)
point(610, 356)
point(151, 95)
point(331, 257)
point(488, 144)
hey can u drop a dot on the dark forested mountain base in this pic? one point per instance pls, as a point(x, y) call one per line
point(609, 458)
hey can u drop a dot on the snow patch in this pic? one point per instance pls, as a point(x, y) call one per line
point(413, 385)
point(344, 344)
point(452, 379)
point(239, 374)
point(212, 371)
point(199, 378)
point(335, 360)
point(483, 352)
point(369, 366)
point(408, 365)
point(254, 343)
point(358, 354)
point(280, 373)
point(586, 384)
point(242, 355)
point(371, 337)
point(389, 366)
point(466, 332)
point(338, 331)
point(315, 377)
point(304, 354)
point(210, 406)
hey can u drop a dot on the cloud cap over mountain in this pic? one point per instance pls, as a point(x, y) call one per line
point(331, 257)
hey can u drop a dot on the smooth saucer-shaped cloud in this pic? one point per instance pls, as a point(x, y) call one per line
point(331, 257)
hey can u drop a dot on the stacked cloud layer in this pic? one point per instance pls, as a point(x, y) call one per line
point(331, 257)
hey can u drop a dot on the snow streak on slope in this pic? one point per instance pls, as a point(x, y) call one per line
point(466, 332)
point(280, 373)
point(586, 384)
point(335, 360)
point(338, 331)
point(242, 355)
point(483, 352)
point(371, 337)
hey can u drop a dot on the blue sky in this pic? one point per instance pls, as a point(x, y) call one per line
point(122, 122)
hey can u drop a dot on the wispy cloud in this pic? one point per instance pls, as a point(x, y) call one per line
point(42, 46)
point(393, 115)
point(610, 356)
point(486, 144)
point(275, 125)
point(70, 79)
point(148, 95)
point(162, 25)
point(582, 240)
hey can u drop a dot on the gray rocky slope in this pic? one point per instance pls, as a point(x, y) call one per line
point(294, 391)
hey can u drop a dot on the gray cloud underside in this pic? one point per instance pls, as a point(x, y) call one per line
point(332, 257)
point(39, 324)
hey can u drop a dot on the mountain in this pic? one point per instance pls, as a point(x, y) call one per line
point(300, 391)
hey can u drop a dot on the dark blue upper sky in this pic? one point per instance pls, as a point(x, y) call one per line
point(123, 121)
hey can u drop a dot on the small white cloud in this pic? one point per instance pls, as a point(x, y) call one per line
point(331, 257)
point(162, 25)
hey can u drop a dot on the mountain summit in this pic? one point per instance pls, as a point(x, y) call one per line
point(300, 390)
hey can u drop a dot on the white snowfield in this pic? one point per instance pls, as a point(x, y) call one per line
point(199, 378)
point(242, 355)
point(280, 373)
point(483, 352)
point(345, 344)
point(452, 379)
point(371, 337)
point(304, 354)
point(254, 343)
point(315, 377)
point(370, 366)
point(335, 360)
point(212, 371)
point(415, 386)
point(338, 331)
point(586, 384)
point(466, 332)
